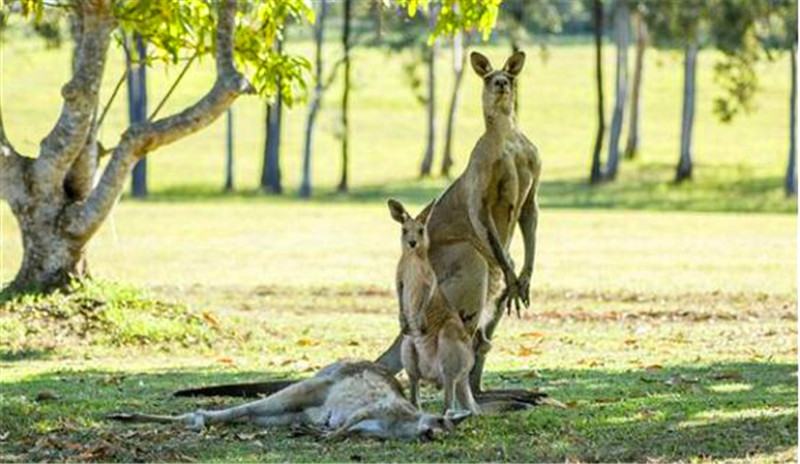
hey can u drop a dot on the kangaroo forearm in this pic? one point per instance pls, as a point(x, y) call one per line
point(500, 254)
point(528, 223)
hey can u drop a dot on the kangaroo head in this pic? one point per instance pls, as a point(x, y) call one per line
point(499, 85)
point(432, 426)
point(415, 234)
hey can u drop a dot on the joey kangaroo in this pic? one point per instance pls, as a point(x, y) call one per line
point(436, 346)
point(347, 397)
point(471, 226)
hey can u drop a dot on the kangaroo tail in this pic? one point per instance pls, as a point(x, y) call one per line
point(136, 417)
point(242, 390)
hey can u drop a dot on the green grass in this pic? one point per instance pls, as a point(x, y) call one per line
point(671, 336)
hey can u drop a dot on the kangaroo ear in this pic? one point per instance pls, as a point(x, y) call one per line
point(480, 64)
point(399, 213)
point(425, 214)
point(456, 417)
point(514, 63)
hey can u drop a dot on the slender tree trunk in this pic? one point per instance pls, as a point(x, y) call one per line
point(427, 159)
point(377, 10)
point(316, 100)
point(634, 127)
point(229, 151)
point(596, 174)
point(343, 181)
point(791, 168)
point(517, 14)
point(459, 60)
point(684, 170)
point(137, 109)
point(271, 172)
point(621, 25)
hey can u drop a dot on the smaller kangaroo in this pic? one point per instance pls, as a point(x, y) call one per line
point(346, 397)
point(436, 345)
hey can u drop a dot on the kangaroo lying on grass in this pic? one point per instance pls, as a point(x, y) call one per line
point(347, 397)
point(436, 346)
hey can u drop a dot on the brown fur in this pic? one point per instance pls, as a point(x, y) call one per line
point(436, 346)
point(471, 226)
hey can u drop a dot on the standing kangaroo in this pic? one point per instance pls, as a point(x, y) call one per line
point(471, 226)
point(347, 397)
point(436, 346)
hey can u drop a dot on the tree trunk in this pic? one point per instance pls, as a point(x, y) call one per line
point(271, 171)
point(459, 59)
point(596, 174)
point(791, 168)
point(316, 100)
point(684, 171)
point(137, 109)
point(634, 126)
point(51, 258)
point(229, 151)
point(427, 159)
point(343, 181)
point(621, 25)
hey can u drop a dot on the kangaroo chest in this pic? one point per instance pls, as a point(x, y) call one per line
point(517, 175)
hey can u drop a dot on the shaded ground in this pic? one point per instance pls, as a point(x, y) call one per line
point(703, 377)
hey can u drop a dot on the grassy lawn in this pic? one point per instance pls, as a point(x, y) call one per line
point(662, 316)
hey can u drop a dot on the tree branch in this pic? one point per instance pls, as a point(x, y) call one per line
point(82, 219)
point(65, 142)
point(12, 168)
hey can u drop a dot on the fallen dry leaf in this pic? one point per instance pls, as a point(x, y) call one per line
point(307, 342)
point(630, 341)
point(210, 318)
point(226, 361)
point(534, 334)
point(653, 367)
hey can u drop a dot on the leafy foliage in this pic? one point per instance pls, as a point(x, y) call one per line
point(455, 15)
point(179, 30)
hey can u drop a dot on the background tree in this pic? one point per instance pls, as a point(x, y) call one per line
point(271, 168)
point(316, 98)
point(596, 172)
point(430, 52)
point(621, 28)
point(229, 150)
point(58, 220)
point(137, 105)
point(346, 30)
point(639, 26)
point(459, 60)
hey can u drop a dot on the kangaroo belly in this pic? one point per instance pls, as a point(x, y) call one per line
point(463, 279)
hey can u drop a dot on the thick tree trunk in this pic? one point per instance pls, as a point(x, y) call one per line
point(316, 100)
point(459, 59)
point(621, 25)
point(51, 257)
point(229, 151)
point(634, 126)
point(791, 168)
point(596, 174)
point(684, 170)
point(137, 109)
point(343, 181)
point(271, 169)
point(430, 146)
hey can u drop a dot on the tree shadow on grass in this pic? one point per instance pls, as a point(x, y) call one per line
point(722, 411)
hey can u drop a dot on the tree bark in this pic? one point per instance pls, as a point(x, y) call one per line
point(56, 226)
point(684, 170)
point(343, 181)
point(137, 108)
point(229, 150)
point(621, 25)
point(634, 126)
point(596, 173)
point(316, 100)
point(271, 170)
point(430, 145)
point(791, 168)
point(459, 60)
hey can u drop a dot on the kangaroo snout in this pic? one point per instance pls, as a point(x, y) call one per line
point(412, 243)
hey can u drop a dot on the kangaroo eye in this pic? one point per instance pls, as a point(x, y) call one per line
point(421, 231)
point(405, 231)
